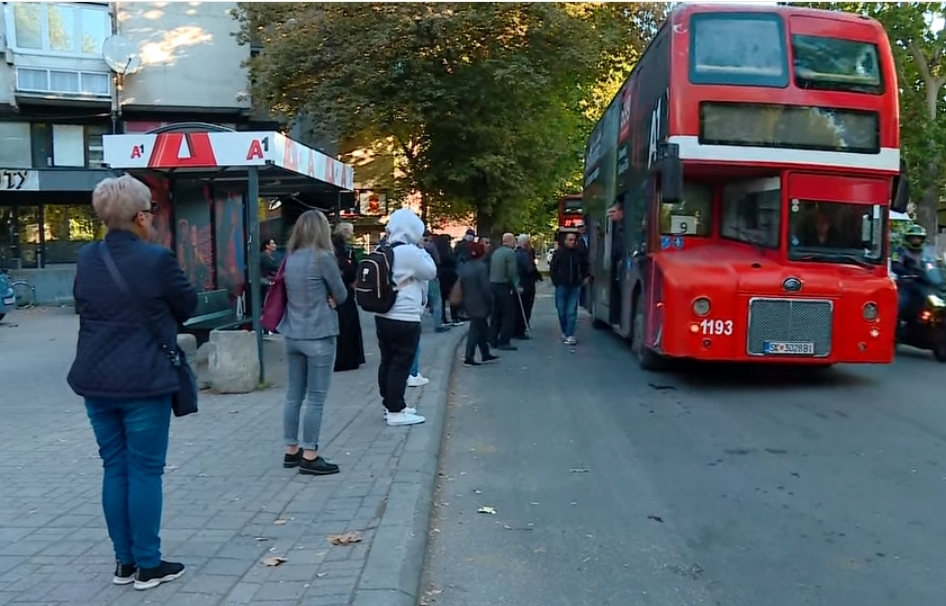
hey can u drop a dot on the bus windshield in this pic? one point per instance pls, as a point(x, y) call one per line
point(835, 64)
point(836, 232)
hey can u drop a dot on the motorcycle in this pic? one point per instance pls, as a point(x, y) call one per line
point(924, 327)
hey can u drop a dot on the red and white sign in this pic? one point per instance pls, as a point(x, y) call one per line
point(223, 150)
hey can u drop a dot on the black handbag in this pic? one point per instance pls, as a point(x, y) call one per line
point(184, 401)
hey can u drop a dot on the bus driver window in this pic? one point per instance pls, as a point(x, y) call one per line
point(693, 216)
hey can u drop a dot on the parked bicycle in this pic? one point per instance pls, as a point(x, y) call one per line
point(24, 293)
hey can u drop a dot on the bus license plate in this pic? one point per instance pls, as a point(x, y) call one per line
point(9, 301)
point(789, 349)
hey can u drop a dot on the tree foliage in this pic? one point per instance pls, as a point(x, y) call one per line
point(918, 39)
point(487, 104)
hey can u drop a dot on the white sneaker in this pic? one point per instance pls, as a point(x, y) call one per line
point(418, 381)
point(396, 419)
point(409, 410)
point(570, 341)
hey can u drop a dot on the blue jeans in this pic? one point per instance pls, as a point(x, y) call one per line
point(311, 363)
point(133, 442)
point(435, 299)
point(415, 367)
point(566, 303)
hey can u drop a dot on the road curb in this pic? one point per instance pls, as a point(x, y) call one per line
point(393, 569)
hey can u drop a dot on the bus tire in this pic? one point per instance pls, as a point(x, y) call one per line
point(647, 358)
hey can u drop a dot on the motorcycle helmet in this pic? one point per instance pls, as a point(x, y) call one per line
point(914, 237)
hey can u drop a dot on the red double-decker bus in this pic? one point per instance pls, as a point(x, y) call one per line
point(738, 189)
point(570, 211)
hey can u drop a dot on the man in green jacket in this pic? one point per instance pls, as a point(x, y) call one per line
point(503, 279)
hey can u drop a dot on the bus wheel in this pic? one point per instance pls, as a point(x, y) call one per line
point(646, 357)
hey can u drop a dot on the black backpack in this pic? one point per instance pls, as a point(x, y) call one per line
point(374, 286)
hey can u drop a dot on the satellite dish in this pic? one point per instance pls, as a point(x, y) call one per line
point(121, 55)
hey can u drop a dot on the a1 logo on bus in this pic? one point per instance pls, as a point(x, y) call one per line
point(716, 327)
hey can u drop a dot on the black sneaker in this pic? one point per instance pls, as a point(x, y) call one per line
point(124, 573)
point(489, 358)
point(292, 460)
point(318, 467)
point(148, 578)
point(470, 363)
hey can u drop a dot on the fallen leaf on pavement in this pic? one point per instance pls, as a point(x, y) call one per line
point(274, 561)
point(280, 522)
point(579, 470)
point(261, 539)
point(319, 575)
point(490, 510)
point(344, 539)
point(655, 518)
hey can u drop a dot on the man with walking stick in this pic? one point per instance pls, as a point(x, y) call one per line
point(528, 276)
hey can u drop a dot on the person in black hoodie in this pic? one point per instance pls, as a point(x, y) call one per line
point(569, 272)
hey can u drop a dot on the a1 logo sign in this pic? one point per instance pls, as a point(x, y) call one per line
point(716, 327)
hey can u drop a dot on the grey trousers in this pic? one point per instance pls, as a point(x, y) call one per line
point(311, 363)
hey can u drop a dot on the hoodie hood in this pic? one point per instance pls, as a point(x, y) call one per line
point(404, 226)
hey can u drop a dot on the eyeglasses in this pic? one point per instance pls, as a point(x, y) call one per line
point(151, 209)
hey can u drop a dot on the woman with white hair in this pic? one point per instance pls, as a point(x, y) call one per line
point(309, 328)
point(124, 374)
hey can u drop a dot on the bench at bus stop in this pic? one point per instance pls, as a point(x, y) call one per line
point(214, 312)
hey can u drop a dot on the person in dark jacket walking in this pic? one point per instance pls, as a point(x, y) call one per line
point(126, 379)
point(529, 275)
point(569, 272)
point(478, 299)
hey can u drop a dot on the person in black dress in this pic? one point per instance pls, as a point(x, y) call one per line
point(448, 277)
point(349, 348)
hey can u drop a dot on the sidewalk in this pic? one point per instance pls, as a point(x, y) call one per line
point(229, 504)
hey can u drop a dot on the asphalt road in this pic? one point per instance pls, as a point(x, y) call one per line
point(722, 486)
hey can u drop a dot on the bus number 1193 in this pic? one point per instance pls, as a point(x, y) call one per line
point(716, 327)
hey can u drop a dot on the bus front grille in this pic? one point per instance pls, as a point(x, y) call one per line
point(774, 322)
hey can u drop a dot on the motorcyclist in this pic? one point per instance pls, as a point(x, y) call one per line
point(907, 260)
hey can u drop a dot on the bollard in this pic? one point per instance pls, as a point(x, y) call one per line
point(233, 364)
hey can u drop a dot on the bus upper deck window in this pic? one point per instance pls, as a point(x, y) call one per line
point(835, 64)
point(746, 49)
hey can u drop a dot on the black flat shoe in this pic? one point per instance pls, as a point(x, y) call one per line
point(317, 467)
point(292, 460)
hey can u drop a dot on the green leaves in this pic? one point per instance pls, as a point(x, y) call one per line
point(487, 104)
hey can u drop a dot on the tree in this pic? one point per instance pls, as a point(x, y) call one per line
point(918, 40)
point(486, 104)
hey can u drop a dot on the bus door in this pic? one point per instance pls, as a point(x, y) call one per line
point(635, 254)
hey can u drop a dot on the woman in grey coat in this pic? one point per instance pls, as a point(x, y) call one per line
point(314, 287)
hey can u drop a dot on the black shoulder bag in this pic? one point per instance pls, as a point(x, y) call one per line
point(184, 402)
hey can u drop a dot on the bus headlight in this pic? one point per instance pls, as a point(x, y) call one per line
point(870, 311)
point(936, 301)
point(701, 306)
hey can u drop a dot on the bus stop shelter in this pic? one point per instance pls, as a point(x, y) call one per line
point(208, 182)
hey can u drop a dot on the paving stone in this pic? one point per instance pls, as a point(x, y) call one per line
point(54, 546)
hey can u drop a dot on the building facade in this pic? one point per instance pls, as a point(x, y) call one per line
point(59, 96)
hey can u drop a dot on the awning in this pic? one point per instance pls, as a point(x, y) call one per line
point(187, 151)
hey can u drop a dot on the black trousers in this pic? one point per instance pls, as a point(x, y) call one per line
point(477, 337)
point(398, 342)
point(503, 321)
point(527, 297)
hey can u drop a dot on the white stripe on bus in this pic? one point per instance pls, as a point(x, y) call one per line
point(690, 149)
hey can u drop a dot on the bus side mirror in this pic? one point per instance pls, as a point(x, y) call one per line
point(671, 175)
point(901, 190)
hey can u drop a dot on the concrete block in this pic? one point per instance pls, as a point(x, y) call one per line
point(203, 352)
point(233, 366)
point(188, 344)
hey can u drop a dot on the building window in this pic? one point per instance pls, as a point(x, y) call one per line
point(67, 229)
point(93, 144)
point(67, 145)
point(66, 82)
point(61, 29)
point(15, 145)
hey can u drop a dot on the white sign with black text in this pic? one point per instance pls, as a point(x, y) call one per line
point(14, 179)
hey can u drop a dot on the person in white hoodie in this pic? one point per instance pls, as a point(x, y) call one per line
point(399, 329)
